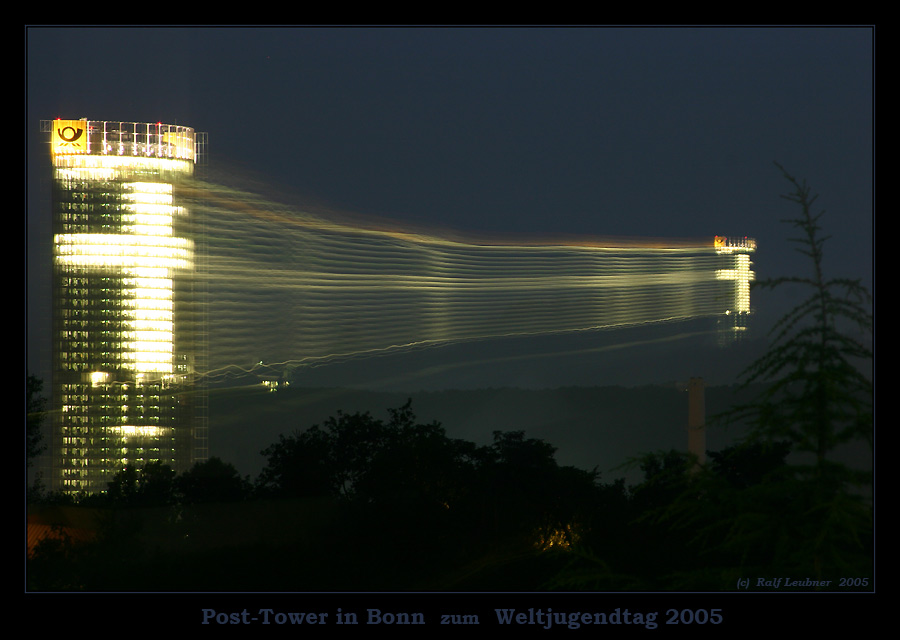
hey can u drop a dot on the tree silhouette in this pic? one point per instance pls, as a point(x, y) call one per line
point(816, 397)
point(747, 464)
point(153, 485)
point(211, 481)
point(813, 513)
point(299, 465)
point(416, 505)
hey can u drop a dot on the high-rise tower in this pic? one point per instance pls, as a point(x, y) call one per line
point(127, 311)
point(740, 272)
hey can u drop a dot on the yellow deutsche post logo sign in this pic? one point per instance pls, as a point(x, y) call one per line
point(70, 136)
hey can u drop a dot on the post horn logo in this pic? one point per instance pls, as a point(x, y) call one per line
point(70, 136)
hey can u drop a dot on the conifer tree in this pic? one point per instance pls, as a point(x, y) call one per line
point(815, 512)
point(816, 396)
point(802, 512)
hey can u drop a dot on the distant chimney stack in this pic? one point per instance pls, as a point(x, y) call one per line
point(697, 420)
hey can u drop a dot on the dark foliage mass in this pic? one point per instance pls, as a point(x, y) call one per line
point(397, 505)
point(356, 503)
point(363, 504)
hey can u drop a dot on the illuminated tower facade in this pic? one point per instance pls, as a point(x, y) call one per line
point(128, 340)
point(737, 251)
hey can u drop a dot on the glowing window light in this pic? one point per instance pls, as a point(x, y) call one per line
point(142, 431)
point(155, 222)
point(148, 309)
point(742, 274)
point(148, 187)
point(148, 357)
point(162, 328)
point(99, 250)
point(149, 314)
point(101, 261)
point(123, 162)
point(145, 367)
point(149, 303)
point(143, 229)
point(148, 208)
point(147, 273)
point(168, 252)
point(153, 198)
point(119, 240)
point(78, 175)
point(148, 336)
point(149, 219)
point(150, 287)
point(161, 346)
point(151, 325)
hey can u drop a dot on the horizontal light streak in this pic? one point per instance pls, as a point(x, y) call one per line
point(288, 286)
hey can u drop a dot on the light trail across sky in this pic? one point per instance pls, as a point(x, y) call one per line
point(288, 288)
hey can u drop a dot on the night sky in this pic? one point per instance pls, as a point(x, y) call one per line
point(664, 132)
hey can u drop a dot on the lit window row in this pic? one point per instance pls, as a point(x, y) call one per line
point(140, 312)
point(152, 325)
point(149, 283)
point(147, 302)
point(143, 431)
point(124, 241)
point(99, 260)
point(118, 163)
point(85, 175)
point(742, 275)
point(148, 187)
point(149, 218)
point(147, 346)
point(151, 336)
point(153, 197)
point(150, 209)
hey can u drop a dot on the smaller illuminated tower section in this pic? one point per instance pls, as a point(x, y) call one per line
point(738, 272)
point(124, 305)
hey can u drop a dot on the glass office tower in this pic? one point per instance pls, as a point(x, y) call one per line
point(737, 251)
point(127, 310)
